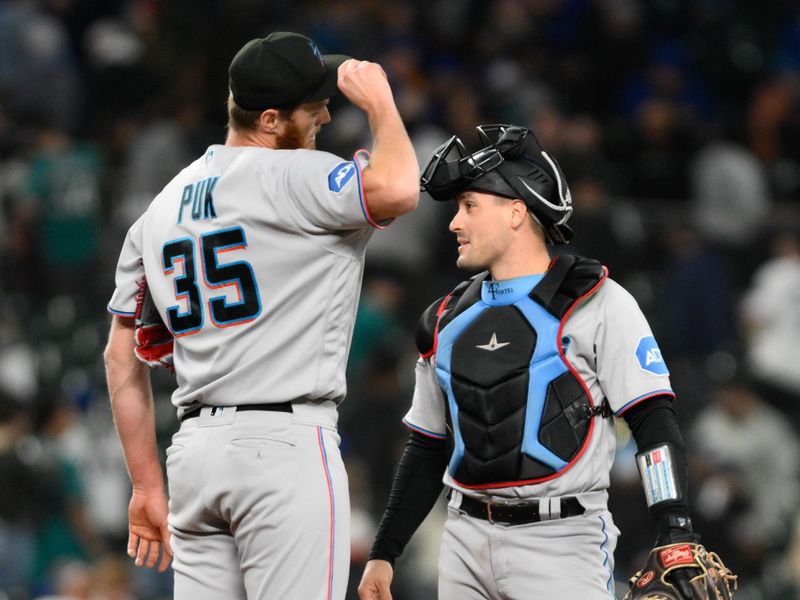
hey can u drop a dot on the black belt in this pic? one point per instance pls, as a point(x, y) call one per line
point(274, 406)
point(517, 514)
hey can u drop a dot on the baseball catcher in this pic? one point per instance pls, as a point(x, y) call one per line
point(522, 370)
point(681, 571)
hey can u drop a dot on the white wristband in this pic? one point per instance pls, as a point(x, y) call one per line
point(657, 470)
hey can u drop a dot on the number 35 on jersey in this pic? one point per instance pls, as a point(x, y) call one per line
point(199, 271)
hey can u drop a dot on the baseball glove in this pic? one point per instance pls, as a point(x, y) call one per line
point(682, 572)
point(154, 341)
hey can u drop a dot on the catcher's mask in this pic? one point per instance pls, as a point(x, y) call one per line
point(512, 165)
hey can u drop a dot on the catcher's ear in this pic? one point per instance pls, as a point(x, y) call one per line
point(519, 212)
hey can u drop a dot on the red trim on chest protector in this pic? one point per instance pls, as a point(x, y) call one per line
point(569, 465)
point(439, 311)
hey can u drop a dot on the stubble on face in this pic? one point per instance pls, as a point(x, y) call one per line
point(482, 239)
point(464, 263)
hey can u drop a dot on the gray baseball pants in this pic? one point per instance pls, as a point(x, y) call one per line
point(563, 559)
point(259, 507)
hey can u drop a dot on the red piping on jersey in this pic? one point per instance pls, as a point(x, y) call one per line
point(330, 509)
point(425, 432)
point(439, 311)
point(642, 399)
point(363, 193)
point(574, 372)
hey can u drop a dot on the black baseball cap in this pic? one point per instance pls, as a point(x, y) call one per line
point(282, 70)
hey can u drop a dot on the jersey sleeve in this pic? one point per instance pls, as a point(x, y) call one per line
point(630, 367)
point(427, 413)
point(326, 191)
point(130, 271)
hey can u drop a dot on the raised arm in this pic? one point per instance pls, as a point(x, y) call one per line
point(391, 181)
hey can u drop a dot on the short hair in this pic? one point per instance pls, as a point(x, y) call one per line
point(241, 119)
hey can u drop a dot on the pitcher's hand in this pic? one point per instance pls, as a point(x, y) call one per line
point(147, 529)
point(365, 85)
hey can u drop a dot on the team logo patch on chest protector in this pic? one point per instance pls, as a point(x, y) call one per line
point(518, 412)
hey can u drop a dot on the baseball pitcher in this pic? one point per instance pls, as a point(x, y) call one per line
point(243, 275)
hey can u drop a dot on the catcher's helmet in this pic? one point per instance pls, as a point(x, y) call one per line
point(512, 164)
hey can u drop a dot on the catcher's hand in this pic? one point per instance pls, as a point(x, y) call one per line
point(154, 341)
point(684, 571)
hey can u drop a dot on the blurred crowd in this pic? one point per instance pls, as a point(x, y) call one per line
point(676, 122)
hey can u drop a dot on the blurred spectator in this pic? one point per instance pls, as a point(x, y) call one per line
point(667, 103)
point(65, 533)
point(410, 245)
point(746, 462)
point(72, 580)
point(21, 265)
point(773, 126)
point(697, 304)
point(65, 186)
point(698, 296)
point(39, 73)
point(730, 196)
point(770, 312)
point(371, 418)
point(90, 443)
point(657, 156)
point(22, 502)
point(154, 154)
point(607, 228)
point(111, 579)
point(379, 318)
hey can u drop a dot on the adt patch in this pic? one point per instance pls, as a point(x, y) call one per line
point(649, 356)
point(339, 177)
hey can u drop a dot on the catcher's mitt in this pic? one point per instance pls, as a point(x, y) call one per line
point(154, 341)
point(675, 571)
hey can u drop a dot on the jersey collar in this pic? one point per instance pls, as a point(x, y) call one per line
point(508, 291)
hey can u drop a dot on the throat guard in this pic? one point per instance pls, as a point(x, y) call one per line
point(519, 412)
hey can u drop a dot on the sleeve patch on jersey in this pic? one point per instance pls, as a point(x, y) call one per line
point(340, 176)
point(649, 356)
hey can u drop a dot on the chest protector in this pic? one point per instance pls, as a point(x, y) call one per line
point(518, 411)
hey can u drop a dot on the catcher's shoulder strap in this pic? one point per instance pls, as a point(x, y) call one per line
point(444, 310)
point(568, 279)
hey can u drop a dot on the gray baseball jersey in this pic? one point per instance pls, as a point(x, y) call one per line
point(609, 345)
point(613, 351)
point(254, 258)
